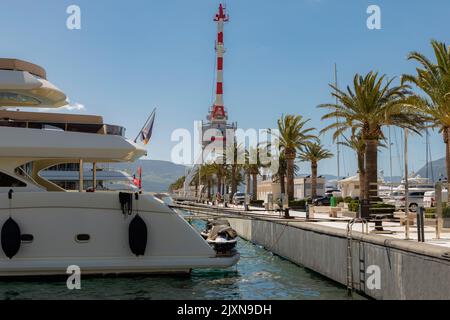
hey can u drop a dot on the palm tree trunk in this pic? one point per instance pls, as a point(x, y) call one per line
point(233, 180)
point(255, 186)
point(247, 183)
point(290, 157)
point(371, 158)
point(313, 179)
point(282, 184)
point(362, 174)
point(447, 156)
point(219, 184)
point(196, 188)
point(209, 189)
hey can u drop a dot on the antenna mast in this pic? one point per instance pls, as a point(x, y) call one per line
point(338, 147)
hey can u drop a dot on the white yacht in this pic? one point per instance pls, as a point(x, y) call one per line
point(45, 228)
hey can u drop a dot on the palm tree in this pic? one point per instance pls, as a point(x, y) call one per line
point(280, 175)
point(233, 154)
point(252, 167)
point(293, 135)
point(207, 173)
point(314, 152)
point(434, 80)
point(371, 104)
point(358, 145)
point(219, 170)
point(177, 185)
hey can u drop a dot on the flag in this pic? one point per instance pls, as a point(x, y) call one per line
point(147, 131)
point(135, 181)
point(140, 178)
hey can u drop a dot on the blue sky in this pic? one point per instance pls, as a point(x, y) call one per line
point(133, 55)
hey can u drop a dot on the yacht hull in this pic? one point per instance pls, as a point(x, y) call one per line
point(90, 230)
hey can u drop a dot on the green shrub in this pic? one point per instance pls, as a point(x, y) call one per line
point(382, 205)
point(348, 199)
point(430, 213)
point(297, 203)
point(382, 208)
point(257, 203)
point(446, 213)
point(353, 206)
point(339, 200)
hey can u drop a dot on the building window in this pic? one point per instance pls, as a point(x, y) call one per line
point(8, 181)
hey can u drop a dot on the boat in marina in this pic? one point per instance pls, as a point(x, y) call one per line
point(46, 228)
point(219, 234)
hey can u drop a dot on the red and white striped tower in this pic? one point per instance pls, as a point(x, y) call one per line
point(217, 113)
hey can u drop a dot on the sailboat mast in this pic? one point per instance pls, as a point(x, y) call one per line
point(338, 147)
point(390, 159)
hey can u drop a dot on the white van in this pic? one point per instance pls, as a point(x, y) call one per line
point(429, 199)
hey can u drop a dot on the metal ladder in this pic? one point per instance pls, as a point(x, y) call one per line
point(365, 230)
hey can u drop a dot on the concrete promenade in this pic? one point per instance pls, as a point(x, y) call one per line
point(407, 269)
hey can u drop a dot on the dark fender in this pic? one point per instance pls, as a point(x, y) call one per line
point(10, 238)
point(137, 236)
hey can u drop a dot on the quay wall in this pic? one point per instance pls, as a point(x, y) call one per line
point(409, 270)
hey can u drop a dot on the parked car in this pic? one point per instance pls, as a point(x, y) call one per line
point(429, 199)
point(323, 201)
point(239, 198)
point(335, 192)
point(415, 199)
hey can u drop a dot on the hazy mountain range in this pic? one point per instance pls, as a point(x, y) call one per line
point(436, 170)
point(158, 175)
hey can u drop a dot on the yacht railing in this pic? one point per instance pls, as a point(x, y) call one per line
point(96, 128)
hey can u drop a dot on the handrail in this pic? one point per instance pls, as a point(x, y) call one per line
point(95, 128)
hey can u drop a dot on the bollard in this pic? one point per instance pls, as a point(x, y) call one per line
point(438, 197)
point(307, 211)
point(286, 213)
point(420, 225)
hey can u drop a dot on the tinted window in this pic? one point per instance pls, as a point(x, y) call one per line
point(83, 237)
point(8, 181)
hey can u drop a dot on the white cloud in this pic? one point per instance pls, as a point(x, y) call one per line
point(74, 106)
point(70, 106)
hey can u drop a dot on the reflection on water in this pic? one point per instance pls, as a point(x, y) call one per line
point(258, 275)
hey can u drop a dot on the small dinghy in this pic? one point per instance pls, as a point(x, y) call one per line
point(220, 235)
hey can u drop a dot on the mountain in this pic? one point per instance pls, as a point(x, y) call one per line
point(439, 169)
point(156, 175)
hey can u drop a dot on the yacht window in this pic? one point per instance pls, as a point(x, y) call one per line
point(83, 238)
point(15, 99)
point(26, 238)
point(8, 181)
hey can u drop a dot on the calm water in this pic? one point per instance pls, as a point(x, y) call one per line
point(259, 275)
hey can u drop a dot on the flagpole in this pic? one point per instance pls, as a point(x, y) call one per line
point(146, 122)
